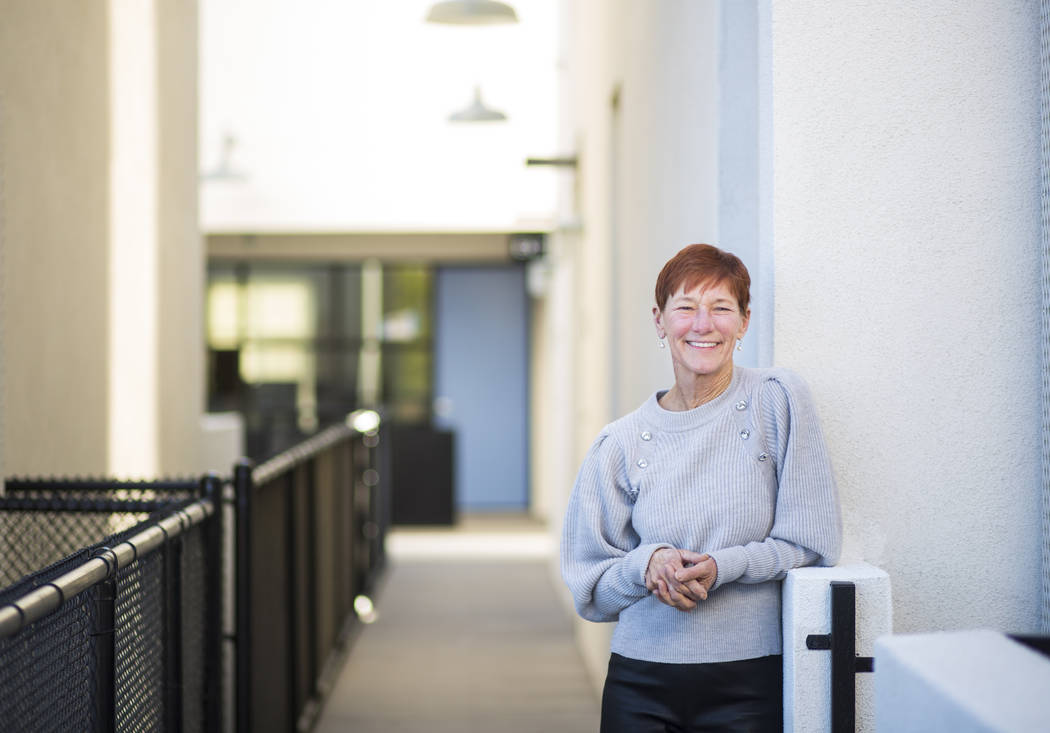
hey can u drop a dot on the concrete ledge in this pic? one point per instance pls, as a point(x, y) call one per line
point(222, 441)
point(807, 672)
point(960, 682)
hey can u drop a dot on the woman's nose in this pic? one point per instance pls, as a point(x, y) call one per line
point(702, 320)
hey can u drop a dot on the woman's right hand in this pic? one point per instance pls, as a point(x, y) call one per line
point(661, 580)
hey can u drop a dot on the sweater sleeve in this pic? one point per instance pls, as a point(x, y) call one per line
point(602, 561)
point(807, 526)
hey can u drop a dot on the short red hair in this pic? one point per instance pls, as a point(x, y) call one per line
point(698, 264)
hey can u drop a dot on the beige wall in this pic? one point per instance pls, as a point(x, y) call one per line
point(64, 205)
point(641, 112)
point(54, 231)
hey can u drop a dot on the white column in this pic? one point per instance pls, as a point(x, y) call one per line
point(134, 413)
point(180, 250)
point(906, 223)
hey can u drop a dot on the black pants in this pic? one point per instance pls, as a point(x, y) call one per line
point(652, 697)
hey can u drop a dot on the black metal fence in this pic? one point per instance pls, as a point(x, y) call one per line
point(123, 632)
point(310, 527)
point(845, 664)
point(187, 606)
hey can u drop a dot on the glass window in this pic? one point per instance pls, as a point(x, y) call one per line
point(286, 345)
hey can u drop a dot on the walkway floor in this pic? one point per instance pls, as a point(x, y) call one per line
point(470, 636)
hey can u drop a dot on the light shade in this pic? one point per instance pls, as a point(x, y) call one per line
point(225, 170)
point(476, 111)
point(471, 12)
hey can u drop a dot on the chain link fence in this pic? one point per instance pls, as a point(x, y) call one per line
point(112, 633)
point(201, 605)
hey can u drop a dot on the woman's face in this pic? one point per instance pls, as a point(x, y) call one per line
point(702, 326)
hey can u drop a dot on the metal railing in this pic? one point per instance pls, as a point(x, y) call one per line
point(309, 531)
point(198, 605)
point(123, 633)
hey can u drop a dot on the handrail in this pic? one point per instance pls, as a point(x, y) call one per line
point(115, 506)
point(289, 459)
point(17, 483)
point(39, 602)
point(319, 500)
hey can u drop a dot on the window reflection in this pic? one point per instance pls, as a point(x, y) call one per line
point(295, 347)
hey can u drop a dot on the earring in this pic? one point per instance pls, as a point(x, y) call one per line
point(739, 345)
point(661, 344)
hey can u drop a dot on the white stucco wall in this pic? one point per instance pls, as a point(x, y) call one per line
point(906, 229)
point(640, 100)
point(740, 157)
point(647, 183)
point(669, 176)
point(898, 216)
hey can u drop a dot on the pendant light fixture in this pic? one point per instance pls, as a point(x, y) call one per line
point(224, 170)
point(476, 111)
point(471, 12)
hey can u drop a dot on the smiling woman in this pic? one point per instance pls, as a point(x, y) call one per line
point(688, 512)
point(703, 325)
point(702, 298)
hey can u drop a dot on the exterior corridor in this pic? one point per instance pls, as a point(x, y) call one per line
point(470, 636)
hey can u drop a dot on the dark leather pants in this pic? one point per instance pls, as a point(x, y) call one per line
point(653, 697)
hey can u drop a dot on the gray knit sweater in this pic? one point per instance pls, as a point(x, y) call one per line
point(744, 477)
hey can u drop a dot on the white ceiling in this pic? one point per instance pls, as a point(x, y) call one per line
point(338, 112)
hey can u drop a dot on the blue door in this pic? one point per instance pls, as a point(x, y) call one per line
point(480, 383)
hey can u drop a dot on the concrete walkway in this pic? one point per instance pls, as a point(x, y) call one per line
point(470, 636)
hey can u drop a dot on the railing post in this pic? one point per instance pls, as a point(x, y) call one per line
point(171, 557)
point(312, 609)
point(843, 656)
point(292, 598)
point(845, 664)
point(243, 487)
point(807, 614)
point(377, 444)
point(105, 656)
point(211, 489)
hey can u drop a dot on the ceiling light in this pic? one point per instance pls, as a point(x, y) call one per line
point(364, 421)
point(225, 170)
point(476, 111)
point(471, 12)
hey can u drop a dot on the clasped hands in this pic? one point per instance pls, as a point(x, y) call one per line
point(680, 578)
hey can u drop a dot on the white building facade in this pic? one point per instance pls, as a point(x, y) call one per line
point(877, 166)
